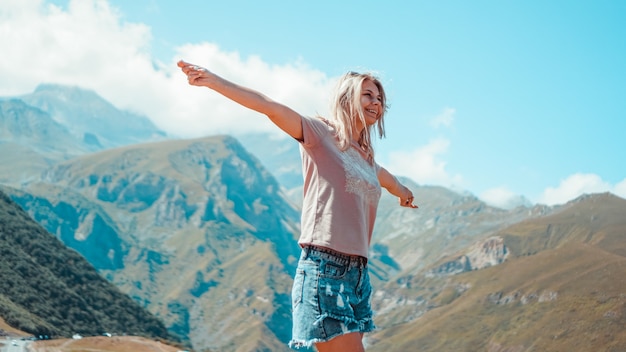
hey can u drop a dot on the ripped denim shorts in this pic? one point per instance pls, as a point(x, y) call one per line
point(330, 296)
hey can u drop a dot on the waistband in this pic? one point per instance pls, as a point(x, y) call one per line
point(338, 257)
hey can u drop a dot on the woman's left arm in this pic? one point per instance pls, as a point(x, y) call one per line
point(393, 186)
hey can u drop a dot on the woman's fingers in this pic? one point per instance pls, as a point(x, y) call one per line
point(192, 71)
point(408, 202)
point(188, 67)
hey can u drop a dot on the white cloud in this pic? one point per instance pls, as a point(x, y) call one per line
point(424, 164)
point(620, 189)
point(305, 90)
point(90, 46)
point(444, 119)
point(502, 197)
point(577, 185)
point(82, 46)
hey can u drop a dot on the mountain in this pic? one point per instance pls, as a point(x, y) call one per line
point(56, 123)
point(404, 239)
point(559, 289)
point(30, 141)
point(202, 233)
point(280, 155)
point(91, 118)
point(178, 191)
point(444, 223)
point(195, 230)
point(48, 289)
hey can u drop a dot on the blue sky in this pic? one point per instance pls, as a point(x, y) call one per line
point(499, 98)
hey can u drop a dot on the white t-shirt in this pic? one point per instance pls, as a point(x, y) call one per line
point(341, 192)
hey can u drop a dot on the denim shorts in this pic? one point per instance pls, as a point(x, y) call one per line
point(330, 296)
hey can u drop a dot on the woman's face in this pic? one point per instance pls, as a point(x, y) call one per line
point(371, 102)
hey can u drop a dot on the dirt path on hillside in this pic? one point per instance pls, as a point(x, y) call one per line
point(103, 344)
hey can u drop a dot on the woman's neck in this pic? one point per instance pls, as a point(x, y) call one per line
point(356, 135)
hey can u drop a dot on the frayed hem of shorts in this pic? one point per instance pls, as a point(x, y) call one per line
point(364, 325)
point(296, 344)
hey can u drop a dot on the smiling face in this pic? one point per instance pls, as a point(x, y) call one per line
point(358, 106)
point(371, 102)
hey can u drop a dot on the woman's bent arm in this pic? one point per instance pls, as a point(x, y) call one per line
point(393, 186)
point(282, 116)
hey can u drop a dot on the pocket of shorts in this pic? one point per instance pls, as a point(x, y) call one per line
point(334, 297)
point(298, 287)
point(333, 270)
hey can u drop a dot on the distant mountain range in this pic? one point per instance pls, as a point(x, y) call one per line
point(91, 119)
point(57, 123)
point(202, 235)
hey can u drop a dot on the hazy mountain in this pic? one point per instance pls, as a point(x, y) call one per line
point(30, 141)
point(57, 123)
point(279, 155)
point(48, 289)
point(559, 289)
point(195, 230)
point(90, 118)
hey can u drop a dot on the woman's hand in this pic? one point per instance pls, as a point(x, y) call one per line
point(391, 184)
point(281, 115)
point(406, 200)
point(196, 75)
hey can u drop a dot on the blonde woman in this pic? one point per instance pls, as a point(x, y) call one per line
point(342, 185)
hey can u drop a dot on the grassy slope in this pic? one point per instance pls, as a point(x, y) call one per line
point(588, 312)
point(8, 329)
point(562, 290)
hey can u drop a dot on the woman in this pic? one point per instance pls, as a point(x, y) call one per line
point(342, 185)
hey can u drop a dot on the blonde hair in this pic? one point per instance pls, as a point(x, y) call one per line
point(346, 108)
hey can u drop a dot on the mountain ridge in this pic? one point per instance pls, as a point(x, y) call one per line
point(85, 112)
point(182, 206)
point(56, 123)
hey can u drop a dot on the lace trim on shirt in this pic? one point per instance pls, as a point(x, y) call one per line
point(361, 177)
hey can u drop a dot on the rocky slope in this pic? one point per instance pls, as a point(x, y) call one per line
point(195, 230)
point(558, 289)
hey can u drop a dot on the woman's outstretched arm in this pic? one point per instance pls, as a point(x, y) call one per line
point(282, 116)
point(393, 186)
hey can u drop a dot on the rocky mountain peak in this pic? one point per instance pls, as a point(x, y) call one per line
point(484, 253)
point(83, 111)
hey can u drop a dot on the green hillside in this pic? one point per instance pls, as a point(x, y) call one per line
point(48, 289)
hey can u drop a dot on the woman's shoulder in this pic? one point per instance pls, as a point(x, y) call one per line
point(319, 122)
point(316, 129)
